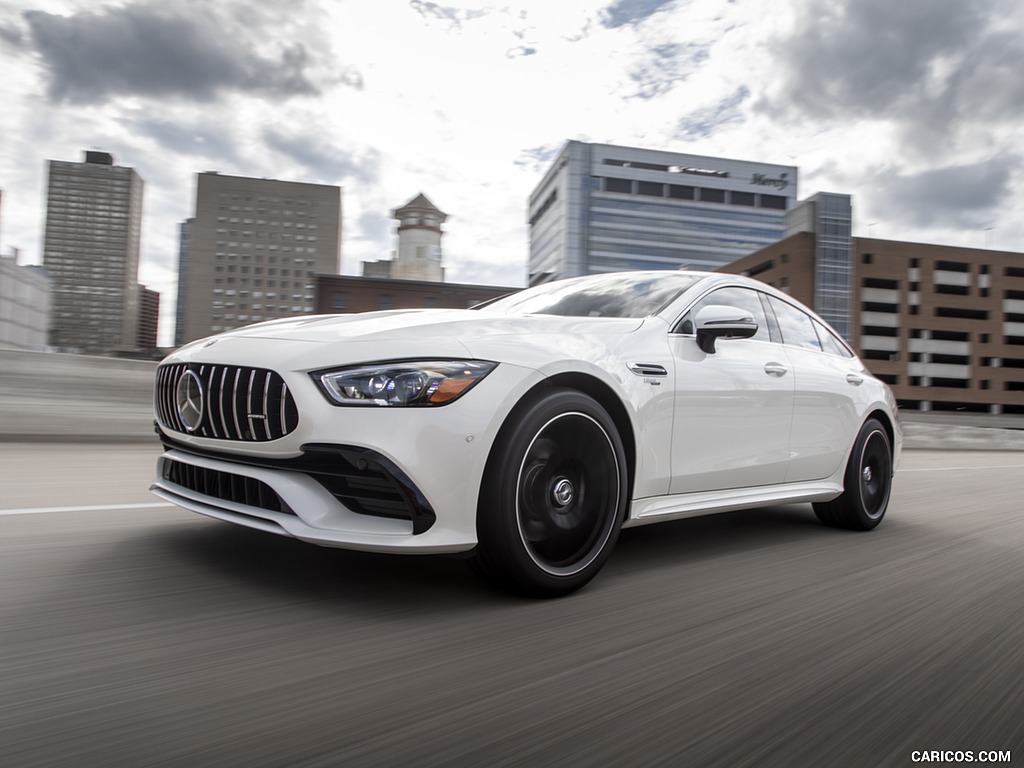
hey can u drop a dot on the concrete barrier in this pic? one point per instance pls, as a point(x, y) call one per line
point(48, 396)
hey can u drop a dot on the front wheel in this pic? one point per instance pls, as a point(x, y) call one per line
point(866, 484)
point(553, 496)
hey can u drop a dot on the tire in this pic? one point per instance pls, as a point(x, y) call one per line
point(867, 483)
point(553, 496)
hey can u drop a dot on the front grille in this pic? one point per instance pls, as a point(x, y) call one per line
point(224, 485)
point(229, 402)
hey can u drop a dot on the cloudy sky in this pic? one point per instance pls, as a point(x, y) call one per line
point(915, 107)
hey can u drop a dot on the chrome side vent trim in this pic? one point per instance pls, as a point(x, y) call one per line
point(238, 402)
point(647, 369)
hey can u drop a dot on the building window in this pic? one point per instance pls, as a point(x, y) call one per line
point(867, 258)
point(963, 314)
point(712, 195)
point(877, 282)
point(650, 189)
point(339, 301)
point(385, 301)
point(741, 198)
point(682, 192)
point(624, 186)
point(777, 202)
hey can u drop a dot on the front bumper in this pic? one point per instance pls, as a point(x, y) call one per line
point(401, 480)
point(307, 499)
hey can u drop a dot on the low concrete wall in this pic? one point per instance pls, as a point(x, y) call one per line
point(49, 396)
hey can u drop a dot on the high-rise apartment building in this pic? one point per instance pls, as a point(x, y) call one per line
point(253, 251)
point(91, 250)
point(605, 208)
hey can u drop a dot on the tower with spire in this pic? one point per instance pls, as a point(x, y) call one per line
point(419, 244)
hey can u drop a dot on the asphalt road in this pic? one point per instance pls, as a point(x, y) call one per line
point(136, 634)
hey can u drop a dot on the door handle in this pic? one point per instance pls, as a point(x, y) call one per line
point(854, 379)
point(775, 369)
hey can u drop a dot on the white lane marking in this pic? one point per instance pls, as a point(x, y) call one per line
point(960, 469)
point(94, 508)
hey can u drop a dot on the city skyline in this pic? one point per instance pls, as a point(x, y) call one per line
point(918, 124)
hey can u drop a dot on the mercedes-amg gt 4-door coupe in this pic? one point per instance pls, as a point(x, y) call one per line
point(524, 433)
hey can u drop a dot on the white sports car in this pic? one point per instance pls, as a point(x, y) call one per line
point(525, 433)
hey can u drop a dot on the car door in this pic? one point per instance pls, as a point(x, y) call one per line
point(733, 407)
point(827, 377)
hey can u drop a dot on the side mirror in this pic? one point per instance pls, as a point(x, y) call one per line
point(717, 321)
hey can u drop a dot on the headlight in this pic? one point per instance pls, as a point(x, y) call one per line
point(416, 383)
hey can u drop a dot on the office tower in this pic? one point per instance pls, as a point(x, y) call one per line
point(91, 250)
point(184, 243)
point(149, 319)
point(605, 208)
point(254, 249)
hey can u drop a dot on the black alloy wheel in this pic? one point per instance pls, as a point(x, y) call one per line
point(554, 496)
point(867, 482)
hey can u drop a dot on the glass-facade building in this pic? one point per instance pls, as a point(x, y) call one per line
point(829, 216)
point(605, 208)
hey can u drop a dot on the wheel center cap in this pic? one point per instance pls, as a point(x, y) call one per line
point(867, 474)
point(562, 492)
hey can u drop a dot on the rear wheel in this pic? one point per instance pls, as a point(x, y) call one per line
point(867, 483)
point(553, 496)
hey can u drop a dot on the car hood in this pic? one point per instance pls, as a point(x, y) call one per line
point(424, 324)
point(308, 343)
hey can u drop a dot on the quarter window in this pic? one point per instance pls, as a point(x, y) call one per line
point(830, 344)
point(796, 326)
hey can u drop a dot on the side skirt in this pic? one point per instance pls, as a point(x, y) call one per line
point(654, 509)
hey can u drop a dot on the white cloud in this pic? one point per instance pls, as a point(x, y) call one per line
point(467, 101)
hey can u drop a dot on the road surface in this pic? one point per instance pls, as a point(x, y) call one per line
point(133, 633)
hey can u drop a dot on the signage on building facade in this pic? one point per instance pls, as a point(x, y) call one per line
point(762, 179)
point(699, 171)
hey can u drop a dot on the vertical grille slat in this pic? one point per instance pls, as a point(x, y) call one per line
point(209, 404)
point(220, 403)
point(266, 405)
point(237, 400)
point(284, 397)
point(234, 404)
point(250, 407)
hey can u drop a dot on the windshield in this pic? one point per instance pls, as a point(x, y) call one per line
point(622, 294)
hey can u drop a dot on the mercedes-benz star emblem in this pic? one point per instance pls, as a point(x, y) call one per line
point(189, 398)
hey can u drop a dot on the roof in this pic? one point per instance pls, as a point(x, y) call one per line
point(420, 201)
